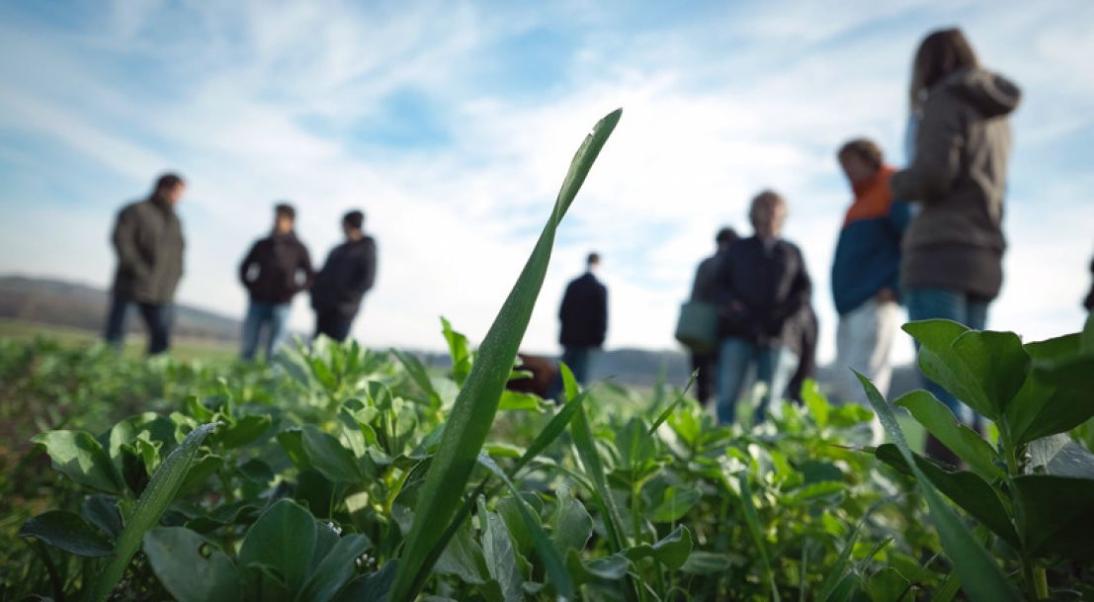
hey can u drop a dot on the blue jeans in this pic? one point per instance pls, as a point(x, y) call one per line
point(271, 317)
point(157, 319)
point(774, 367)
point(577, 358)
point(930, 303)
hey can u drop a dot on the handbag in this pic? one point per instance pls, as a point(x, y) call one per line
point(697, 328)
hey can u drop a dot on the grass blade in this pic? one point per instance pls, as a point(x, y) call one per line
point(159, 494)
point(477, 403)
point(981, 577)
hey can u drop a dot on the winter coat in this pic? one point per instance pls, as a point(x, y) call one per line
point(764, 287)
point(348, 273)
point(148, 241)
point(959, 177)
point(584, 313)
point(276, 268)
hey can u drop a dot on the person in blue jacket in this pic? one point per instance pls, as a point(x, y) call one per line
point(866, 272)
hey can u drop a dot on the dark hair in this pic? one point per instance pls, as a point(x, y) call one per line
point(864, 149)
point(726, 235)
point(285, 209)
point(354, 219)
point(167, 181)
point(766, 196)
point(942, 52)
point(593, 258)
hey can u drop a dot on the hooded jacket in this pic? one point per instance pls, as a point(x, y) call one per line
point(958, 176)
point(148, 240)
point(276, 268)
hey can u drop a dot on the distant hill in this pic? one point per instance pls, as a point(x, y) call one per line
point(63, 303)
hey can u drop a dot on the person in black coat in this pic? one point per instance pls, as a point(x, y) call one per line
point(275, 269)
point(348, 273)
point(806, 350)
point(764, 286)
point(705, 289)
point(584, 317)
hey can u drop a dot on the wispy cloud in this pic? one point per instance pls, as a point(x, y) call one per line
point(451, 124)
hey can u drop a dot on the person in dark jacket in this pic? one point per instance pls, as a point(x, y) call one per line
point(348, 273)
point(274, 270)
point(705, 289)
point(866, 272)
point(1088, 303)
point(952, 261)
point(764, 285)
point(148, 241)
point(584, 316)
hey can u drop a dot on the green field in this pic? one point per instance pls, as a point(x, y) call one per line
point(182, 348)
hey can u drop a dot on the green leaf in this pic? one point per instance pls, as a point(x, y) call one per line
point(676, 502)
point(501, 557)
point(463, 557)
point(473, 412)
point(69, 532)
point(752, 520)
point(80, 457)
point(1056, 515)
point(419, 375)
point(706, 563)
point(981, 577)
point(370, 588)
point(671, 550)
point(815, 402)
point(243, 431)
point(334, 570)
point(961, 440)
point(609, 568)
point(329, 456)
point(189, 567)
point(984, 369)
point(1086, 341)
point(887, 585)
point(1054, 399)
point(966, 489)
point(523, 402)
point(283, 538)
point(1059, 455)
point(459, 350)
point(102, 511)
point(571, 523)
point(159, 494)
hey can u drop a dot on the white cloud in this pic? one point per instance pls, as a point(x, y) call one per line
point(714, 110)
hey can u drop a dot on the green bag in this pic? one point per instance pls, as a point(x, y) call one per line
point(697, 327)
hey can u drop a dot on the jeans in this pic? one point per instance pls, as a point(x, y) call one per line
point(577, 358)
point(269, 316)
point(929, 303)
point(157, 319)
point(864, 339)
point(774, 367)
point(333, 324)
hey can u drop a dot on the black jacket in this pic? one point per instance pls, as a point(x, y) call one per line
point(276, 268)
point(148, 240)
point(706, 286)
point(763, 288)
point(584, 313)
point(347, 275)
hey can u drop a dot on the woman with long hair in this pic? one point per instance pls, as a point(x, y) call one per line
point(952, 260)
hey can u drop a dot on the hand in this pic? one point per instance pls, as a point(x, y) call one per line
point(885, 295)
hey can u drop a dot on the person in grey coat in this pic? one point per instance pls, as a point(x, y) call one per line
point(148, 241)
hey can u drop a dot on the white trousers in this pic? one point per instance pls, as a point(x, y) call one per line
point(863, 342)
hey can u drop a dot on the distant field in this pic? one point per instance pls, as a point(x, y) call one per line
point(182, 348)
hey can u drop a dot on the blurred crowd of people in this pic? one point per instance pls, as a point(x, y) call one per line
point(927, 236)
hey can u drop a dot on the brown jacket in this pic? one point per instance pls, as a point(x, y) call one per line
point(148, 240)
point(958, 177)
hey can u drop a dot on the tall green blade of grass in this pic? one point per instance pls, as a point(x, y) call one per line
point(980, 575)
point(159, 494)
point(477, 403)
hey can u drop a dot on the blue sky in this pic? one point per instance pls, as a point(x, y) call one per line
point(452, 123)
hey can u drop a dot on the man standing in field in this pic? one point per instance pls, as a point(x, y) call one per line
point(148, 241)
point(584, 316)
point(274, 270)
point(866, 271)
point(348, 273)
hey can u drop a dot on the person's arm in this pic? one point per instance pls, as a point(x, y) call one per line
point(602, 315)
point(801, 290)
point(306, 269)
point(245, 265)
point(124, 238)
point(940, 141)
point(365, 274)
